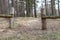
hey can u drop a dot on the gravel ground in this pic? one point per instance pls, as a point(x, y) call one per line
point(30, 29)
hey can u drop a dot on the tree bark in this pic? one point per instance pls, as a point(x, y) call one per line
point(21, 8)
point(53, 7)
point(35, 8)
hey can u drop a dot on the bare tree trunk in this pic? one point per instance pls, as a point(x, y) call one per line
point(27, 8)
point(53, 7)
point(35, 8)
point(4, 4)
point(0, 6)
point(16, 8)
point(46, 8)
point(58, 8)
point(21, 8)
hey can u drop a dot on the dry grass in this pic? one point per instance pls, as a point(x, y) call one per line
point(30, 29)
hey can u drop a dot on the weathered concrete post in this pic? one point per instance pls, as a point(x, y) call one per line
point(11, 20)
point(44, 27)
point(43, 20)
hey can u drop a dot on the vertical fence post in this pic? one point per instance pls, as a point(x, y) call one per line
point(11, 22)
point(44, 27)
point(43, 23)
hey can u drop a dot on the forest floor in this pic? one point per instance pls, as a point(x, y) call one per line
point(29, 29)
